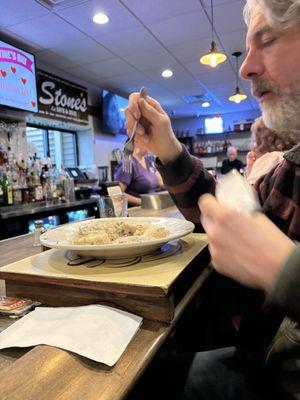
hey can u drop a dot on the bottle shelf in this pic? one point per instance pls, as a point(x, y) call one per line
point(219, 153)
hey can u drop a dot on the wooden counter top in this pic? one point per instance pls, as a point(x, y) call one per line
point(45, 372)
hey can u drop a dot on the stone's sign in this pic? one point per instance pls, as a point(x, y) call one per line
point(61, 99)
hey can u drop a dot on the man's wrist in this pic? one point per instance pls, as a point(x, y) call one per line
point(278, 265)
point(172, 153)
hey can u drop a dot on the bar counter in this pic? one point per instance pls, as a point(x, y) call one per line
point(14, 220)
point(43, 207)
point(44, 372)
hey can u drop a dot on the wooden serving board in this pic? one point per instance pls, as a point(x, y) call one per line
point(149, 286)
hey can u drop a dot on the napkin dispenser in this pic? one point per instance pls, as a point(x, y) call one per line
point(156, 201)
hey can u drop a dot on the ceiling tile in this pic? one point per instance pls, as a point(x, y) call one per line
point(157, 10)
point(198, 69)
point(155, 90)
point(78, 72)
point(16, 11)
point(82, 17)
point(181, 29)
point(130, 82)
point(189, 85)
point(19, 41)
point(83, 51)
point(130, 41)
point(189, 91)
point(178, 71)
point(216, 3)
point(48, 31)
point(159, 59)
point(191, 50)
point(235, 41)
point(229, 17)
point(109, 68)
point(227, 87)
point(213, 78)
point(53, 59)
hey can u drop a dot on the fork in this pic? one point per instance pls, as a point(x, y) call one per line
point(129, 144)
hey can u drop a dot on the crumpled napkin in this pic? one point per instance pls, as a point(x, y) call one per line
point(234, 191)
point(97, 332)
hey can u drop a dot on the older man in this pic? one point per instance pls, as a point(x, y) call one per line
point(231, 162)
point(257, 250)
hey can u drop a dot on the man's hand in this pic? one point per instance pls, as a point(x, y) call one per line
point(247, 248)
point(158, 136)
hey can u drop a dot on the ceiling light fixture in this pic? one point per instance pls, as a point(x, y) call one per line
point(100, 18)
point(205, 104)
point(213, 57)
point(167, 73)
point(238, 96)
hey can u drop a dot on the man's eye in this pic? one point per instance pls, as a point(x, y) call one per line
point(268, 41)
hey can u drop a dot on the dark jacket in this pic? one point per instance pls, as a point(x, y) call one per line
point(279, 194)
point(228, 165)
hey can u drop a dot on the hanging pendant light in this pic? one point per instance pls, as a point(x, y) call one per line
point(238, 96)
point(213, 57)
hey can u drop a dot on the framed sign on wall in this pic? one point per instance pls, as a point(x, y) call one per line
point(61, 99)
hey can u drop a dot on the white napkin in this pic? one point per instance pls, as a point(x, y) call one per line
point(234, 191)
point(97, 332)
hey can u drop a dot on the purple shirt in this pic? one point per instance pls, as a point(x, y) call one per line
point(140, 181)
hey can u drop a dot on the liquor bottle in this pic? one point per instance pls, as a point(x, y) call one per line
point(38, 195)
point(45, 181)
point(7, 191)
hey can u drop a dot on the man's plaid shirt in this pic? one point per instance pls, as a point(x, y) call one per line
point(279, 191)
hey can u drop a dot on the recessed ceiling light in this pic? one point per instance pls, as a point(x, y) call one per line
point(100, 18)
point(205, 104)
point(167, 73)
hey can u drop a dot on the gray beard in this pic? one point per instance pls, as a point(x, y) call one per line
point(283, 114)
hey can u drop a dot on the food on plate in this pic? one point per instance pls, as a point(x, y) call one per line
point(116, 232)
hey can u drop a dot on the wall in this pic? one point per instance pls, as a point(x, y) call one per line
point(85, 141)
point(103, 146)
point(194, 125)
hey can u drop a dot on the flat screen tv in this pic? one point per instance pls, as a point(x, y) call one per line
point(17, 78)
point(214, 124)
point(113, 117)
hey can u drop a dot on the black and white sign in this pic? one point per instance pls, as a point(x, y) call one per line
point(61, 99)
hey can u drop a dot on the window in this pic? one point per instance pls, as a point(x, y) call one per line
point(60, 146)
point(38, 138)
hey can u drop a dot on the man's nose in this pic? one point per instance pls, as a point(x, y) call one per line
point(252, 66)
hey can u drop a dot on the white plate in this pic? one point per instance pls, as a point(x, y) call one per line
point(57, 238)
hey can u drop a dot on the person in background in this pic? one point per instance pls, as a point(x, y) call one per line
point(144, 178)
point(231, 162)
point(268, 149)
point(259, 250)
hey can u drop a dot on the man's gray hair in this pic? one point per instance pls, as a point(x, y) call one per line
point(231, 148)
point(281, 14)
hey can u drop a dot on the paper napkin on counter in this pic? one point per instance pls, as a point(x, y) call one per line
point(97, 332)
